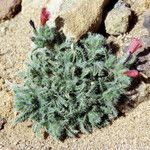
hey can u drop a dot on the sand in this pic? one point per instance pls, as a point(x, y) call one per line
point(131, 132)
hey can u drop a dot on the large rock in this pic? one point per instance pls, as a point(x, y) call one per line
point(9, 8)
point(117, 20)
point(144, 56)
point(146, 22)
point(139, 6)
point(77, 16)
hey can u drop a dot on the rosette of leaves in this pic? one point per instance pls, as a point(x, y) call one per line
point(70, 88)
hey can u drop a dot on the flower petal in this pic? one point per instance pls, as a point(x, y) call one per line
point(45, 15)
point(132, 73)
point(135, 45)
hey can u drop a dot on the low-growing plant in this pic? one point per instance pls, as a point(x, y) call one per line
point(71, 87)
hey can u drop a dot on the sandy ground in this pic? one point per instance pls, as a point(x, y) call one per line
point(126, 133)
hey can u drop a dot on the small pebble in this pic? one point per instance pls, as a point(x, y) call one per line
point(2, 123)
point(3, 31)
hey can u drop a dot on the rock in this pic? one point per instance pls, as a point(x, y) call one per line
point(144, 56)
point(147, 21)
point(117, 20)
point(3, 31)
point(143, 92)
point(2, 123)
point(9, 8)
point(147, 4)
point(146, 41)
point(77, 17)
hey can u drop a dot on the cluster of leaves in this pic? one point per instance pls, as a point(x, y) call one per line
point(70, 87)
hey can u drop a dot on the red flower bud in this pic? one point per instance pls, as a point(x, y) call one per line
point(45, 15)
point(132, 73)
point(135, 44)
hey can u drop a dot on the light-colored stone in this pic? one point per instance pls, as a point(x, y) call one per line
point(77, 16)
point(9, 8)
point(146, 22)
point(147, 4)
point(117, 20)
point(139, 6)
point(3, 31)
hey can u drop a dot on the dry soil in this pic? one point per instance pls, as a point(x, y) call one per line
point(126, 133)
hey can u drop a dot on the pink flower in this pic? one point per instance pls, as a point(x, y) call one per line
point(132, 73)
point(45, 15)
point(135, 45)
